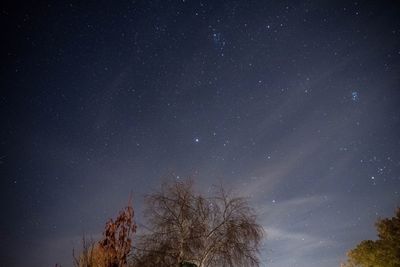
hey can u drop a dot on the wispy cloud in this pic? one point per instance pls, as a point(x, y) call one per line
point(291, 240)
point(291, 248)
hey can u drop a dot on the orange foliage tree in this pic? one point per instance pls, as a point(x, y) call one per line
point(114, 247)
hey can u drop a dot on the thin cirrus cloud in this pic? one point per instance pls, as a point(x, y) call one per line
point(289, 232)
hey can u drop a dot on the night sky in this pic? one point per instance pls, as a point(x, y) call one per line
point(295, 105)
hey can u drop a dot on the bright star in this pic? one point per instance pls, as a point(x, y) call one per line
point(354, 96)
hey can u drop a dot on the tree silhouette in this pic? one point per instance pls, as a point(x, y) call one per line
point(384, 252)
point(188, 229)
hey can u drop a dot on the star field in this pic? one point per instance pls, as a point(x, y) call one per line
point(292, 104)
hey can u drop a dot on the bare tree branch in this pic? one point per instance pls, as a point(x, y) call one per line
point(187, 227)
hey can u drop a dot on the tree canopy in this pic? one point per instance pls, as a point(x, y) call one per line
point(383, 252)
point(189, 229)
point(114, 247)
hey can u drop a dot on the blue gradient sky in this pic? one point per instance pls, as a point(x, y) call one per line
point(292, 104)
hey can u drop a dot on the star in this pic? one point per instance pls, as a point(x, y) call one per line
point(354, 96)
point(196, 140)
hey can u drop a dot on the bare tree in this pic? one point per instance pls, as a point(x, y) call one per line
point(187, 228)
